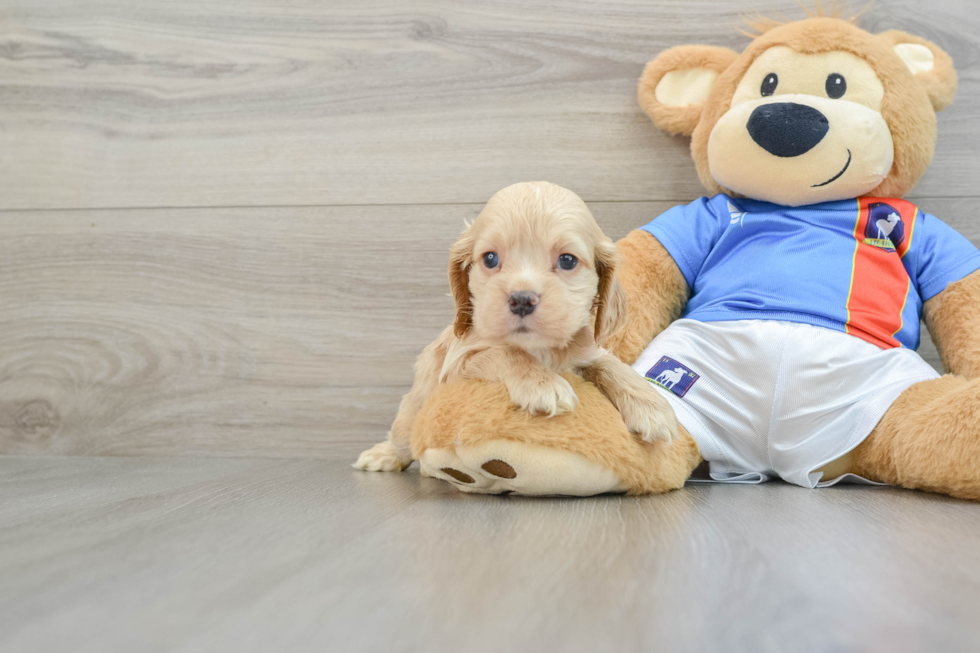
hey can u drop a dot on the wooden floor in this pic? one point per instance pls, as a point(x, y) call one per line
point(214, 555)
point(223, 235)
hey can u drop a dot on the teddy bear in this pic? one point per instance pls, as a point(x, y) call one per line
point(780, 314)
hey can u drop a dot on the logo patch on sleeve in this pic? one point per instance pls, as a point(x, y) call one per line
point(673, 376)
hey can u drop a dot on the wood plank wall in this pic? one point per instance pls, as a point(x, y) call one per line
point(224, 225)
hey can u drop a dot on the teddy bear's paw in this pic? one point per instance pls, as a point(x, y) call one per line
point(552, 397)
point(649, 416)
point(382, 457)
point(504, 467)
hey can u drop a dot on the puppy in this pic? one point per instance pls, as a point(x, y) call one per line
point(534, 279)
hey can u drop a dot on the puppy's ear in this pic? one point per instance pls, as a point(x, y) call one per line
point(459, 281)
point(674, 87)
point(610, 301)
point(930, 66)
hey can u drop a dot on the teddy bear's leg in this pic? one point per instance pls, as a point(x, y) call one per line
point(929, 440)
point(471, 435)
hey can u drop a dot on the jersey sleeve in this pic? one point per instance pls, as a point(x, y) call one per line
point(689, 233)
point(941, 256)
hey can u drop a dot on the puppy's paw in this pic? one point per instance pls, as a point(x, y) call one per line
point(382, 457)
point(649, 416)
point(551, 397)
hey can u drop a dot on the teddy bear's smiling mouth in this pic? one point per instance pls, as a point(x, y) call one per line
point(837, 176)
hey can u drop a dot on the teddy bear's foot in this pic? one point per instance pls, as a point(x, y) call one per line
point(928, 440)
point(504, 466)
point(470, 434)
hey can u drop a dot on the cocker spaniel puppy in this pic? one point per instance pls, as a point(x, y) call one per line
point(534, 280)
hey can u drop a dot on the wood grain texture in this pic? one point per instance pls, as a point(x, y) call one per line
point(129, 554)
point(271, 332)
point(260, 102)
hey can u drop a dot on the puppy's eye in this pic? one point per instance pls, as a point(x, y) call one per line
point(567, 261)
point(769, 84)
point(491, 260)
point(836, 86)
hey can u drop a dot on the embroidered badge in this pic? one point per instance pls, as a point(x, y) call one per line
point(673, 376)
point(885, 229)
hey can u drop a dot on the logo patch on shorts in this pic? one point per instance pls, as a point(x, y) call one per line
point(673, 376)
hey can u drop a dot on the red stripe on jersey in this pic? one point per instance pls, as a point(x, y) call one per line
point(879, 282)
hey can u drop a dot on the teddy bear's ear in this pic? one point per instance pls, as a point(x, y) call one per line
point(928, 63)
point(675, 85)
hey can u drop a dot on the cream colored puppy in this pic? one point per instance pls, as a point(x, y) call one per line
point(534, 280)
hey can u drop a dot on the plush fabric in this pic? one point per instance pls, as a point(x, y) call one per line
point(908, 104)
point(656, 293)
point(953, 317)
point(589, 451)
point(928, 440)
point(470, 435)
point(679, 119)
point(940, 82)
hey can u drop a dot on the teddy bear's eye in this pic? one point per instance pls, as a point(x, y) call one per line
point(769, 84)
point(836, 86)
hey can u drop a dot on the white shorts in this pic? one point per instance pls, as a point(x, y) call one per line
point(766, 398)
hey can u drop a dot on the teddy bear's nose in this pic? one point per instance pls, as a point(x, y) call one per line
point(786, 128)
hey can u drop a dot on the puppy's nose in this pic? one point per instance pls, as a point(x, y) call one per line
point(522, 303)
point(787, 129)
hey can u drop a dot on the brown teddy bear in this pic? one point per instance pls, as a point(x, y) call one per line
point(779, 317)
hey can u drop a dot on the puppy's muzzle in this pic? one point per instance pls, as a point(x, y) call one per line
point(522, 303)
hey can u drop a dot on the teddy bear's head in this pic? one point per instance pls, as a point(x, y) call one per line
point(812, 111)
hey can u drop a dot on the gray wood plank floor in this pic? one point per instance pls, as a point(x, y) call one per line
point(143, 554)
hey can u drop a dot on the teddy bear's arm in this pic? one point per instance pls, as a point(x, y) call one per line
point(656, 292)
point(531, 385)
point(953, 318)
point(645, 412)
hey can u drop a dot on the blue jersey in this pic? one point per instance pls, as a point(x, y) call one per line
point(862, 266)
